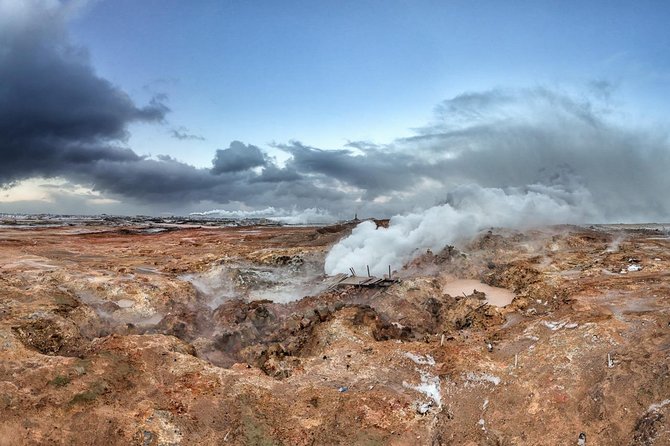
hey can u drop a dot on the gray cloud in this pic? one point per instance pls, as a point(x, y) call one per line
point(537, 135)
point(510, 139)
point(183, 134)
point(274, 174)
point(238, 157)
point(375, 172)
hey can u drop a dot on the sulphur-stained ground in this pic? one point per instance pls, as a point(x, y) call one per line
point(145, 334)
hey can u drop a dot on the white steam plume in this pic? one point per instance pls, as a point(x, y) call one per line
point(469, 210)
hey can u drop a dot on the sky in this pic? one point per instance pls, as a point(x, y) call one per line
point(330, 108)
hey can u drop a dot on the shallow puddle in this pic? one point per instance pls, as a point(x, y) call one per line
point(495, 296)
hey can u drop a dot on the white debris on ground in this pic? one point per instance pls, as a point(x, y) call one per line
point(429, 386)
point(423, 408)
point(581, 441)
point(634, 267)
point(481, 378)
point(553, 326)
point(658, 406)
point(421, 360)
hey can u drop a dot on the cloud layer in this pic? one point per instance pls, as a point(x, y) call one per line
point(59, 119)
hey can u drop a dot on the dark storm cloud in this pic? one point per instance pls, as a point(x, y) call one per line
point(56, 114)
point(152, 180)
point(58, 118)
point(238, 157)
point(167, 181)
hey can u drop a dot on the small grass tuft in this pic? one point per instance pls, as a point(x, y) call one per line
point(60, 381)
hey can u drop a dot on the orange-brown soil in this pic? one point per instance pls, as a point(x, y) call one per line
point(201, 335)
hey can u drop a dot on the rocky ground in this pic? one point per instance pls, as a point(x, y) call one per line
point(184, 335)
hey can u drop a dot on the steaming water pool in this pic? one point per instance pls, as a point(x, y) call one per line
point(495, 296)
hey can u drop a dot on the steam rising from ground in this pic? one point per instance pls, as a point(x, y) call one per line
point(530, 157)
point(278, 283)
point(469, 209)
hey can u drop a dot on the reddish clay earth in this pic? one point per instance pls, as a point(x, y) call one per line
point(198, 335)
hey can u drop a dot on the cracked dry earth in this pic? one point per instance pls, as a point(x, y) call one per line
point(193, 336)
